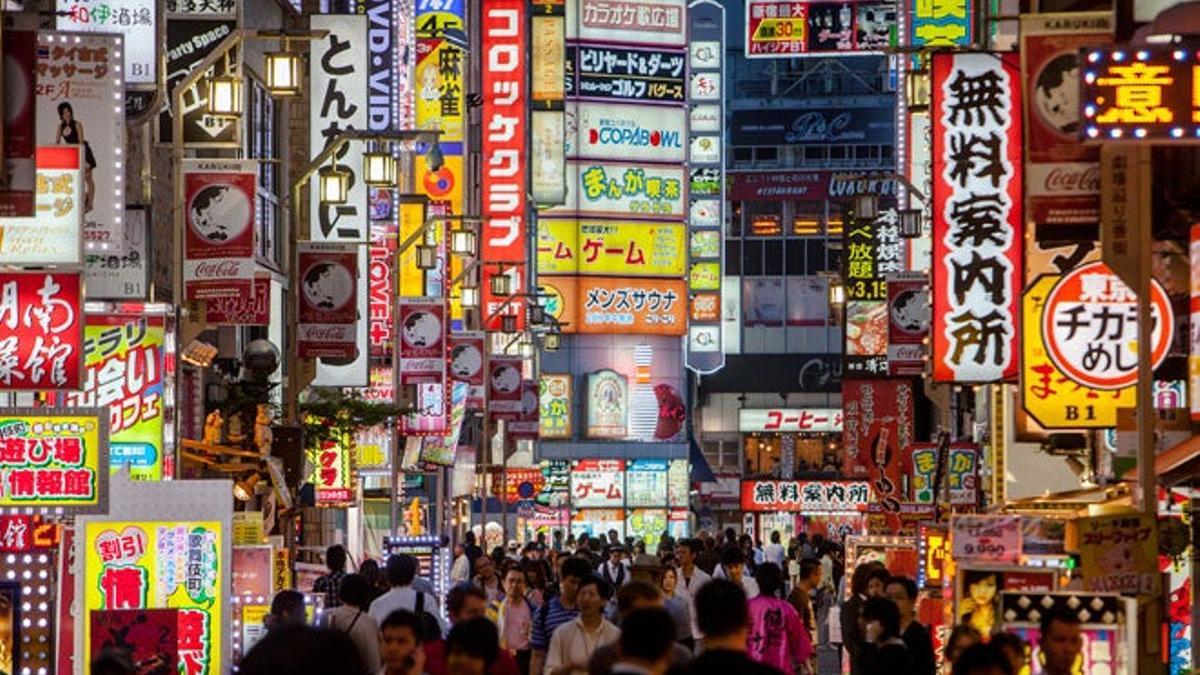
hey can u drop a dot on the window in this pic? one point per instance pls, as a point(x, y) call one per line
point(261, 144)
point(752, 257)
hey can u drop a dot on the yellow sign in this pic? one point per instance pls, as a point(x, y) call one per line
point(159, 565)
point(412, 279)
point(49, 460)
point(247, 528)
point(621, 248)
point(1048, 395)
point(1119, 554)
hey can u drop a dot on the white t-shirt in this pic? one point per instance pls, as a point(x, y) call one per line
point(574, 644)
point(775, 553)
point(404, 597)
point(686, 588)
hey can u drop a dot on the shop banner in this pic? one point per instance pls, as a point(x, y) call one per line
point(439, 84)
point(219, 197)
point(54, 460)
point(780, 30)
point(555, 406)
point(1119, 554)
point(41, 331)
point(52, 234)
point(136, 21)
point(807, 186)
point(328, 313)
point(126, 365)
point(1063, 175)
point(523, 422)
point(340, 102)
point(332, 471)
point(878, 423)
point(623, 73)
point(820, 126)
point(619, 189)
point(190, 41)
point(505, 184)
point(908, 323)
point(961, 474)
point(20, 81)
point(806, 496)
point(790, 420)
point(381, 286)
point(598, 483)
point(977, 217)
point(422, 363)
point(946, 23)
point(610, 247)
point(466, 365)
point(440, 450)
point(986, 539)
point(657, 23)
point(253, 309)
point(608, 305)
point(873, 250)
point(79, 94)
point(623, 132)
point(158, 565)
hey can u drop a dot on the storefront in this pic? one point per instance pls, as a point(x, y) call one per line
point(778, 442)
point(830, 508)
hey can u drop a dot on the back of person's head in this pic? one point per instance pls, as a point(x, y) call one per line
point(475, 637)
point(113, 661)
point(910, 586)
point(633, 592)
point(469, 537)
point(647, 635)
point(301, 650)
point(402, 618)
point(401, 569)
point(287, 608)
point(1008, 643)
point(775, 538)
point(577, 567)
point(770, 579)
point(456, 597)
point(694, 546)
point(732, 555)
point(1057, 615)
point(961, 632)
point(886, 613)
point(808, 566)
point(355, 591)
point(335, 558)
point(721, 609)
point(879, 572)
point(981, 659)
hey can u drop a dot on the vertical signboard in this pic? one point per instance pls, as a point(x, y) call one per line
point(944, 23)
point(328, 312)
point(339, 103)
point(79, 94)
point(977, 225)
point(505, 123)
point(547, 179)
point(41, 331)
point(422, 347)
point(873, 250)
point(19, 52)
point(706, 200)
point(219, 203)
point(190, 39)
point(877, 425)
point(466, 366)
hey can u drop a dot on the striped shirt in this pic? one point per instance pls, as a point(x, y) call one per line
point(546, 619)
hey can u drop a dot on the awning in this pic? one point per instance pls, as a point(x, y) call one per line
point(1175, 465)
point(701, 470)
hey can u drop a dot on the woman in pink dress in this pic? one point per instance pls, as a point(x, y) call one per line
point(777, 636)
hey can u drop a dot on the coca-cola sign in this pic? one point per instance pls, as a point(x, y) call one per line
point(248, 310)
point(219, 228)
point(1075, 178)
point(328, 312)
point(802, 126)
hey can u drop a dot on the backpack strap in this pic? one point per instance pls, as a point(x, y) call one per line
point(420, 604)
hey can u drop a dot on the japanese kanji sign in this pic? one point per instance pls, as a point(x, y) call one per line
point(328, 313)
point(941, 23)
point(41, 331)
point(790, 420)
point(57, 460)
point(993, 539)
point(808, 496)
point(779, 30)
point(52, 235)
point(1143, 94)
point(1119, 553)
point(618, 189)
point(873, 250)
point(219, 239)
point(126, 363)
point(961, 473)
point(422, 362)
point(608, 305)
point(877, 423)
point(331, 466)
point(650, 22)
point(610, 247)
point(555, 401)
point(252, 309)
point(624, 73)
point(159, 565)
point(135, 20)
point(977, 223)
point(598, 483)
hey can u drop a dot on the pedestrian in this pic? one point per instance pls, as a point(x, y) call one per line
point(1013, 648)
point(465, 602)
point(774, 552)
point(724, 619)
point(903, 592)
point(330, 583)
point(303, 650)
point(487, 579)
point(614, 570)
point(733, 568)
point(961, 637)
point(868, 581)
point(709, 558)
point(645, 644)
point(633, 597)
point(557, 611)
point(472, 648)
point(376, 580)
point(400, 644)
point(287, 609)
point(1061, 639)
point(461, 569)
point(574, 642)
point(514, 618)
point(777, 637)
point(401, 570)
point(981, 659)
point(691, 578)
point(536, 573)
point(352, 619)
point(883, 652)
point(471, 549)
point(807, 582)
point(678, 606)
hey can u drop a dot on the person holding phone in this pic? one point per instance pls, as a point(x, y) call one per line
point(400, 644)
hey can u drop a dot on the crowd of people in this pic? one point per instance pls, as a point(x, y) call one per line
point(702, 606)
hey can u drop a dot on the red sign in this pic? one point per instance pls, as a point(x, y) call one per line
point(908, 323)
point(252, 309)
point(41, 331)
point(328, 300)
point(877, 424)
point(977, 219)
point(219, 227)
point(379, 306)
point(422, 348)
point(505, 184)
point(466, 365)
point(807, 496)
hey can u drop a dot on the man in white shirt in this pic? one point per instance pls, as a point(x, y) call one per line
point(774, 551)
point(351, 619)
point(574, 642)
point(401, 570)
point(691, 577)
point(733, 568)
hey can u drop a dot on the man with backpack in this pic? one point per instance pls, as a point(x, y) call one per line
point(557, 611)
point(401, 570)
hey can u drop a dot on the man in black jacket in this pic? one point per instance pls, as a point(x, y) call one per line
point(903, 592)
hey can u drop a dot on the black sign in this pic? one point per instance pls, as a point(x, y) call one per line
point(623, 73)
point(138, 103)
point(189, 41)
point(775, 373)
point(793, 126)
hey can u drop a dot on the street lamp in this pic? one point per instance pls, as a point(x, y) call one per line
point(426, 257)
point(379, 169)
point(866, 207)
point(283, 73)
point(470, 296)
point(910, 223)
point(537, 314)
point(462, 243)
point(551, 341)
point(501, 285)
point(525, 345)
point(508, 323)
point(225, 96)
point(333, 183)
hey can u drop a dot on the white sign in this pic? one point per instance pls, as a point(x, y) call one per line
point(339, 103)
point(625, 132)
point(51, 236)
point(135, 20)
point(598, 483)
point(705, 150)
point(810, 420)
point(122, 274)
point(660, 23)
point(705, 118)
point(641, 191)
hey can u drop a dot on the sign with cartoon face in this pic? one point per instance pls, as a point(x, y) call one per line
point(219, 198)
point(423, 362)
point(466, 365)
point(328, 312)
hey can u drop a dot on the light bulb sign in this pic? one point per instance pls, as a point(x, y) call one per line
point(1140, 94)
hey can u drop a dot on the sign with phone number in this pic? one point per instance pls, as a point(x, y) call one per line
point(986, 538)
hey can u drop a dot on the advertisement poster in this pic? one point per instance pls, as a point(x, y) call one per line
point(873, 251)
point(52, 234)
point(339, 103)
point(623, 189)
point(220, 227)
point(160, 565)
point(252, 571)
point(189, 42)
point(646, 482)
point(440, 450)
point(125, 361)
point(79, 93)
point(598, 483)
point(608, 131)
point(607, 405)
point(422, 347)
point(610, 247)
point(659, 23)
point(252, 309)
point(609, 305)
point(977, 217)
point(986, 539)
point(979, 593)
point(466, 365)
point(908, 323)
point(787, 29)
point(623, 73)
point(148, 636)
point(328, 301)
point(555, 406)
point(1062, 174)
point(961, 473)
point(1119, 554)
point(332, 471)
point(1107, 627)
point(41, 331)
point(877, 423)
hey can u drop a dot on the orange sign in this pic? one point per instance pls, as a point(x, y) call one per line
point(617, 305)
point(706, 307)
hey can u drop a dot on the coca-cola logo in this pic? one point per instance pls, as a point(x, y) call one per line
point(329, 333)
point(217, 269)
point(813, 127)
point(1063, 179)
